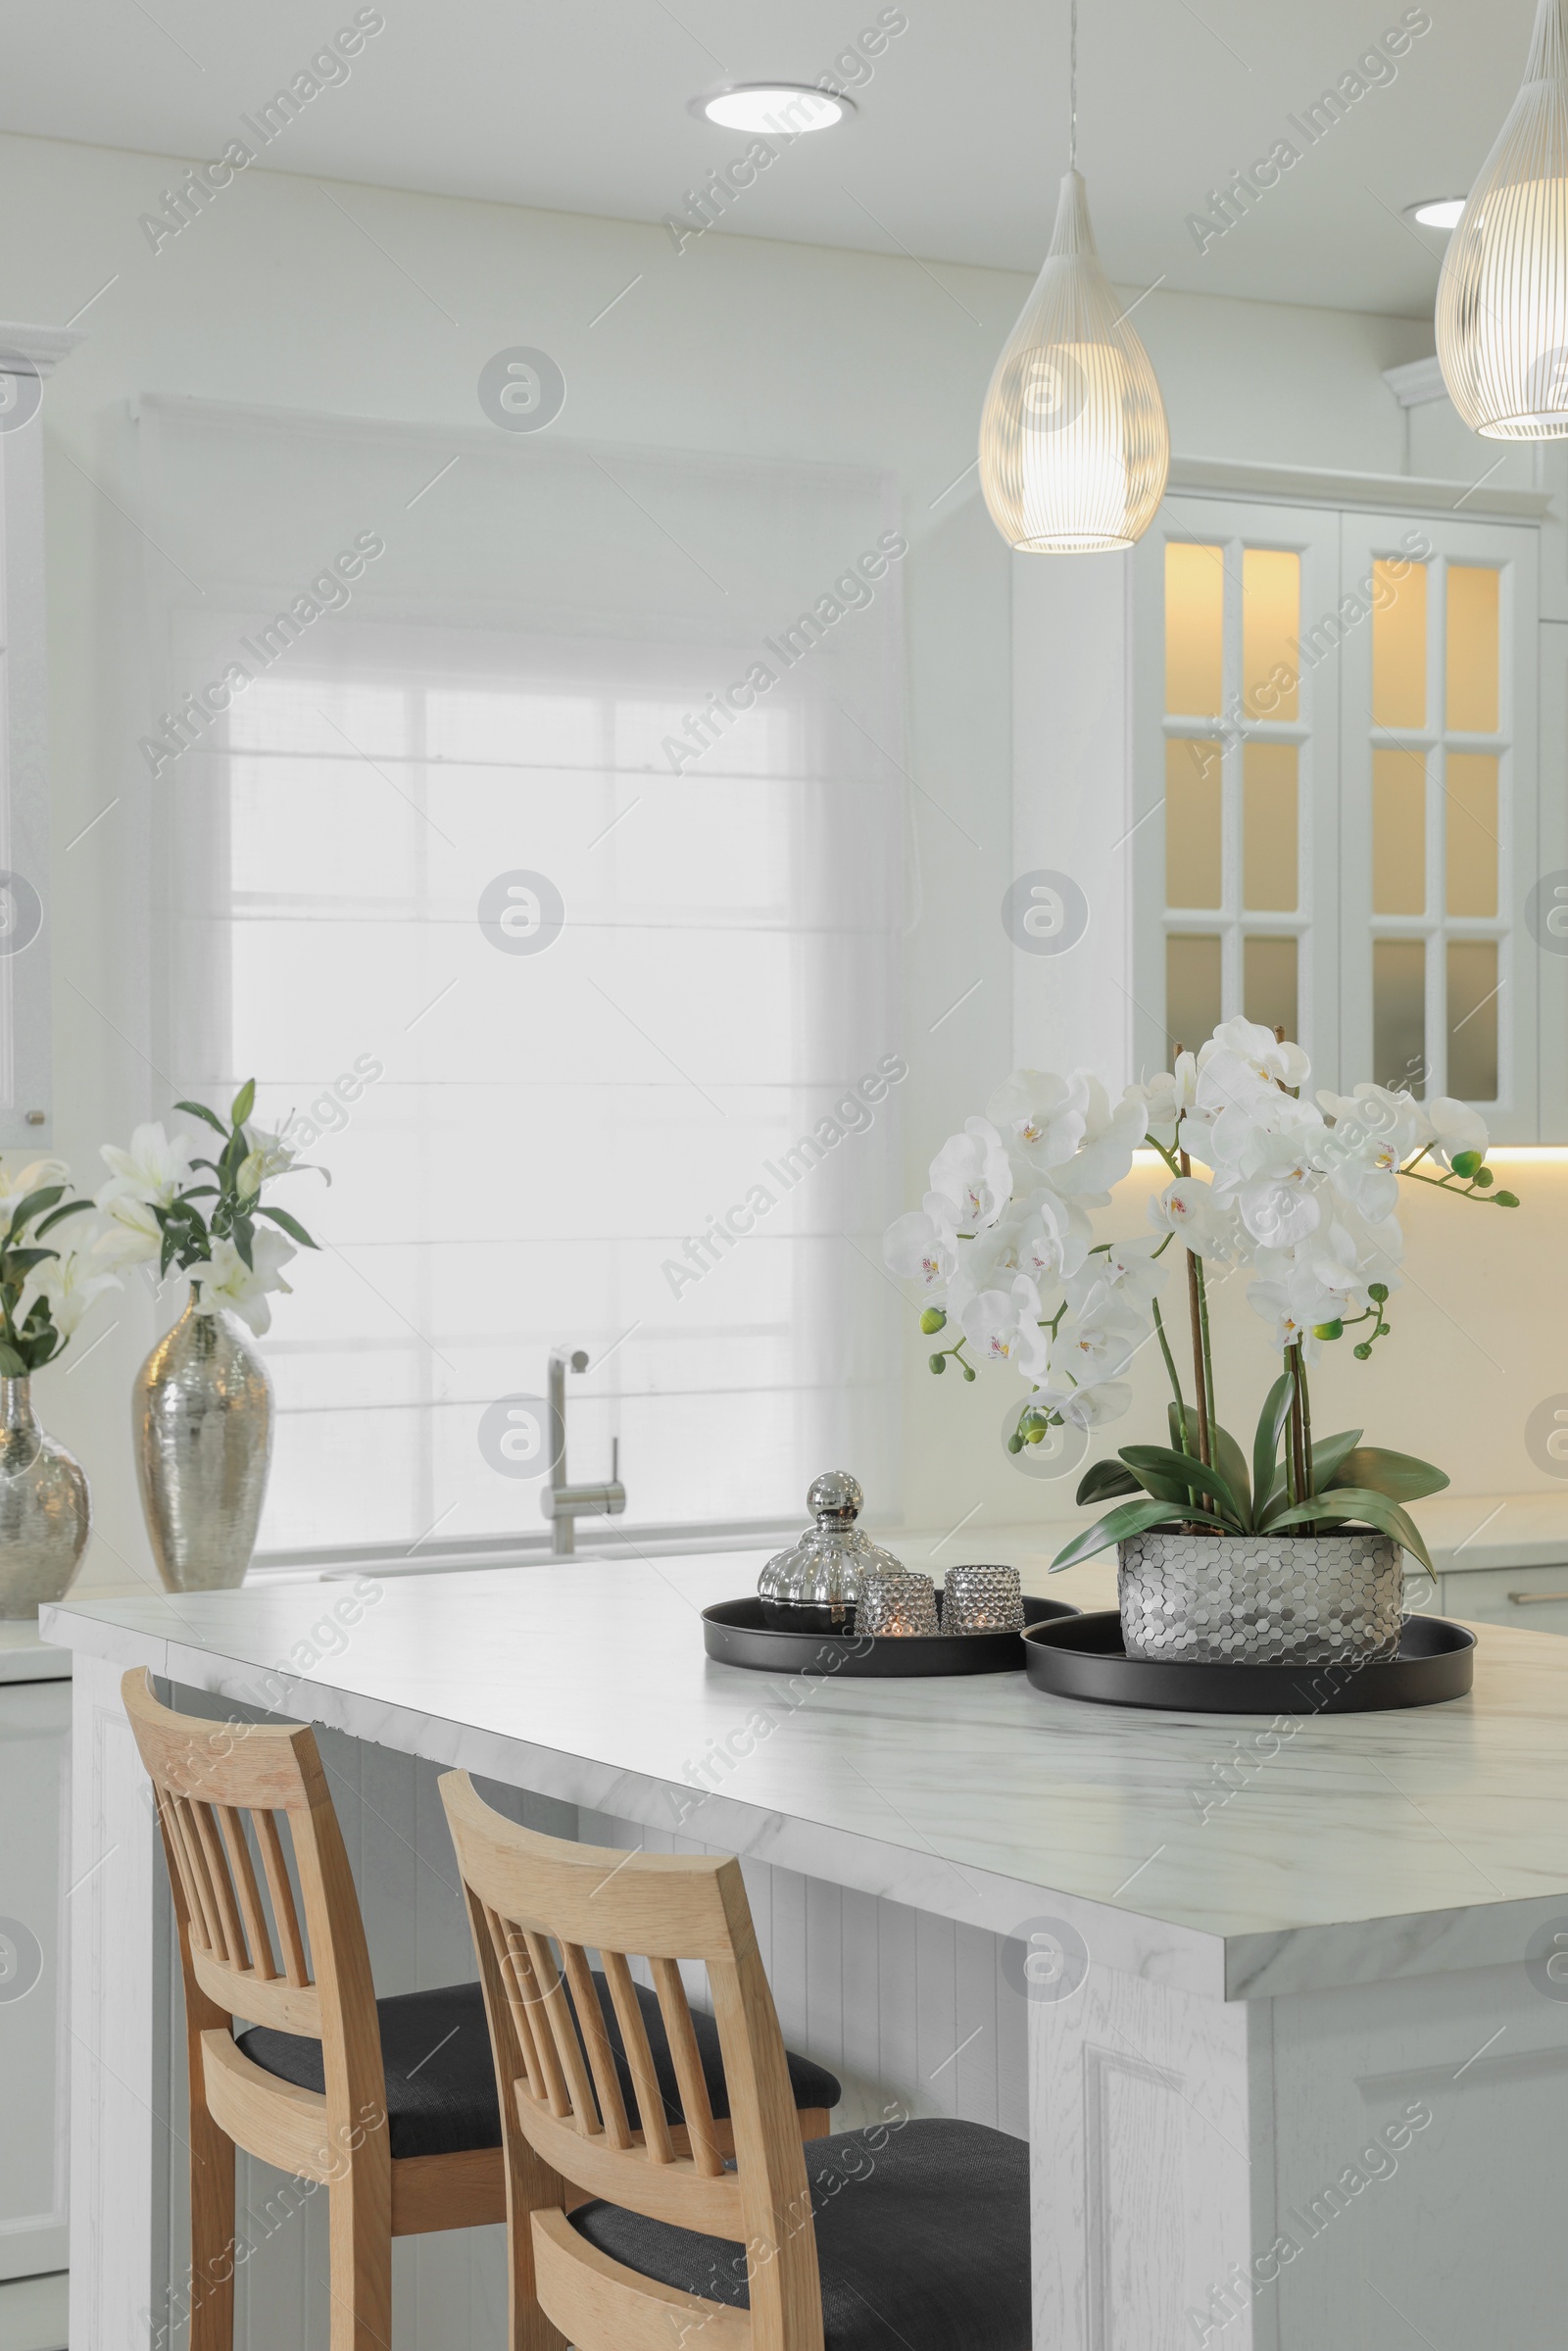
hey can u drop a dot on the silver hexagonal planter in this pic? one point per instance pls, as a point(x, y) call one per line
point(1260, 1599)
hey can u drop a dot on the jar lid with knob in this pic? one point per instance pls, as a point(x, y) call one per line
point(816, 1584)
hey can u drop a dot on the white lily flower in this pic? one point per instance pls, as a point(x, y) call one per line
point(972, 1173)
point(131, 1233)
point(225, 1279)
point(918, 1247)
point(155, 1164)
point(269, 1156)
point(68, 1286)
point(1003, 1327)
point(19, 1175)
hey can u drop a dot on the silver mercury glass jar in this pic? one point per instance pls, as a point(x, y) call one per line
point(812, 1587)
point(202, 1418)
point(45, 1516)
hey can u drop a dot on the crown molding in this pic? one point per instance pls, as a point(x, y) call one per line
point(42, 347)
point(1417, 382)
point(1371, 493)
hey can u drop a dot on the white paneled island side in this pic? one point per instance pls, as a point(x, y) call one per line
point(1289, 2041)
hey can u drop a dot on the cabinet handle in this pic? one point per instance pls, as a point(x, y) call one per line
point(1535, 1599)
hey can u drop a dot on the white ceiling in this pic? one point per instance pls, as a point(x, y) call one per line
point(580, 106)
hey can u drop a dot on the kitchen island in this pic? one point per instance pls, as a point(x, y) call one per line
point(1276, 2004)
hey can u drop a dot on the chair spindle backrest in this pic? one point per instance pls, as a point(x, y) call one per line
point(538, 1907)
point(219, 1785)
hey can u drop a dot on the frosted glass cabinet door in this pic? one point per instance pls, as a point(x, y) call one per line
point(1437, 833)
point(1543, 946)
point(1234, 826)
point(34, 1826)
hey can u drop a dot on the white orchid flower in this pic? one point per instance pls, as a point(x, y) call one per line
point(225, 1279)
point(68, 1286)
point(1003, 1327)
point(1099, 1342)
point(1042, 1116)
point(1123, 1270)
point(1293, 1312)
point(919, 1248)
point(131, 1233)
point(1087, 1408)
point(1110, 1137)
point(1455, 1128)
point(1191, 1208)
point(1272, 1061)
point(155, 1164)
point(1171, 1095)
point(1280, 1210)
point(1053, 1236)
point(971, 1171)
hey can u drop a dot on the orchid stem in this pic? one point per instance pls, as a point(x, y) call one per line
point(1170, 1366)
point(1209, 1351)
point(1195, 1316)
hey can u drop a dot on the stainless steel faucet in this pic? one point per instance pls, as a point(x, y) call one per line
point(562, 1502)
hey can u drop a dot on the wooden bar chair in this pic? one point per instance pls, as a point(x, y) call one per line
point(390, 2105)
point(914, 2235)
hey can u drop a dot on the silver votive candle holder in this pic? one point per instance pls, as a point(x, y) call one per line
point(897, 1605)
point(982, 1600)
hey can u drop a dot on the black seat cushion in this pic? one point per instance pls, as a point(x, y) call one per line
point(923, 2240)
point(440, 2080)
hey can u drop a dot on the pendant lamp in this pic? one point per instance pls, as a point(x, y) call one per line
point(1074, 448)
point(1503, 299)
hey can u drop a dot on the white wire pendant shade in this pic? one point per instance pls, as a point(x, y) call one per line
point(1503, 299)
point(1074, 447)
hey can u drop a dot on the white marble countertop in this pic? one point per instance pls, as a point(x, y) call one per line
point(25, 1656)
point(1342, 1848)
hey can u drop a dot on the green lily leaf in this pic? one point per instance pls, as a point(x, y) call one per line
point(1266, 1443)
point(1102, 1482)
point(1400, 1476)
point(243, 1103)
point(33, 1204)
point(72, 1207)
point(12, 1366)
point(244, 1241)
point(1190, 1475)
point(296, 1231)
point(1133, 1518)
point(200, 1110)
point(17, 1263)
point(1359, 1505)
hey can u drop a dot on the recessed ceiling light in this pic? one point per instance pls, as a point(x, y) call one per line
point(1436, 211)
point(795, 107)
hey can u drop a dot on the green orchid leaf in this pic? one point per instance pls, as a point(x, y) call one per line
point(1350, 1505)
point(1266, 1443)
point(243, 1103)
point(1133, 1518)
point(1106, 1480)
point(1400, 1476)
point(296, 1231)
point(72, 1207)
point(200, 1110)
point(1229, 1457)
point(1328, 1454)
point(1190, 1475)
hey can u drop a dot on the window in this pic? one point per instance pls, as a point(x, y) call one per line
point(532, 1147)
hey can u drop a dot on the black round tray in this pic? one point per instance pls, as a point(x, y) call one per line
point(1085, 1659)
point(736, 1633)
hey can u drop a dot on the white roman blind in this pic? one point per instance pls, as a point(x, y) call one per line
point(549, 872)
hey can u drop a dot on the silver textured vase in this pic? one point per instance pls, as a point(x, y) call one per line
point(203, 1427)
point(45, 1514)
point(1261, 1600)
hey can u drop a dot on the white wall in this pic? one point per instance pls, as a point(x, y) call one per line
point(276, 296)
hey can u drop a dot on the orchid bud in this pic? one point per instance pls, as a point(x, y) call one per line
point(933, 1320)
point(937, 1363)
